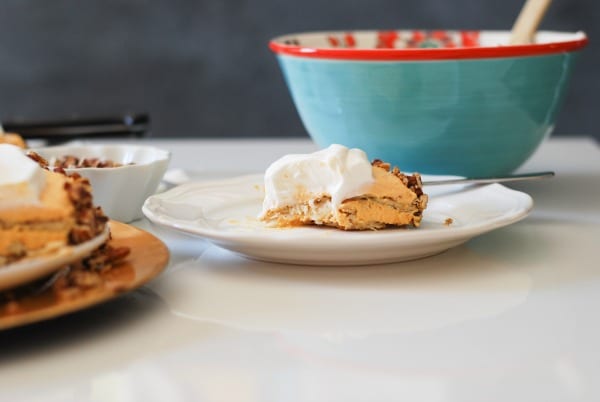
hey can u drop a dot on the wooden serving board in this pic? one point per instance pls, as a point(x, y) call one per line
point(148, 257)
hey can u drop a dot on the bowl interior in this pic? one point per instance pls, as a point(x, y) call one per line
point(122, 154)
point(410, 39)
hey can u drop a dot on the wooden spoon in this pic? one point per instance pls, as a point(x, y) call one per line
point(527, 22)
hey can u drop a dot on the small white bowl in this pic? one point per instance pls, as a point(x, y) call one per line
point(120, 191)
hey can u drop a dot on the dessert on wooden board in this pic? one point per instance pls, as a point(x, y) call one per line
point(41, 210)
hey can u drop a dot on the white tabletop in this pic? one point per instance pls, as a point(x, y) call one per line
point(512, 315)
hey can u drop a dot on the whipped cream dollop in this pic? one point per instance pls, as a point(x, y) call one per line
point(21, 179)
point(336, 171)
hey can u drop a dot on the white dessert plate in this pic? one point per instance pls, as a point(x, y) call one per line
point(29, 269)
point(225, 212)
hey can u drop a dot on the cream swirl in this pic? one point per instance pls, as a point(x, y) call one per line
point(21, 179)
point(336, 171)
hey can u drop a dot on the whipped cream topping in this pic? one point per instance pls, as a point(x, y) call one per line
point(336, 171)
point(21, 179)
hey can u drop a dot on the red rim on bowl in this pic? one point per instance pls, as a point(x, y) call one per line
point(342, 46)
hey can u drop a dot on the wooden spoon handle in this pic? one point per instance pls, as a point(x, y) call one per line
point(528, 21)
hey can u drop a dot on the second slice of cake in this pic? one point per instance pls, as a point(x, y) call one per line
point(339, 187)
point(42, 211)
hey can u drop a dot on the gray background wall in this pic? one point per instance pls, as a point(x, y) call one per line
point(202, 68)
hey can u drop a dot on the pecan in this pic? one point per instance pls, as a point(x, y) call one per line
point(38, 158)
point(115, 254)
point(73, 162)
point(381, 164)
point(80, 234)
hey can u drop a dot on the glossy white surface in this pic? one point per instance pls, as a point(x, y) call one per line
point(120, 191)
point(29, 269)
point(226, 212)
point(508, 316)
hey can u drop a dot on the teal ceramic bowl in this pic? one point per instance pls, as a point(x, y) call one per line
point(437, 102)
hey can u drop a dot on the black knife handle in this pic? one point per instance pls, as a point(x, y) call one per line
point(59, 130)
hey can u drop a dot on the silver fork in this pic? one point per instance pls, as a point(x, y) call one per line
point(487, 180)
